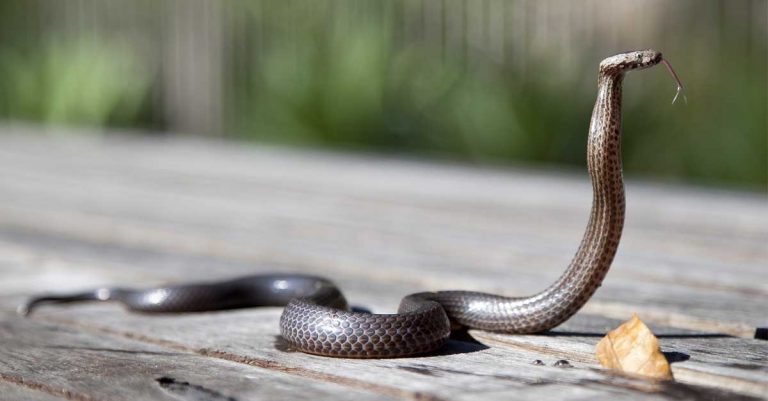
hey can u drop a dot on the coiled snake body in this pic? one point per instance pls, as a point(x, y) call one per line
point(317, 320)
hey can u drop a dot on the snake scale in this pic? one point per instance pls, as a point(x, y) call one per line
point(317, 318)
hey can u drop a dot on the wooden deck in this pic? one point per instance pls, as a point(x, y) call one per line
point(91, 211)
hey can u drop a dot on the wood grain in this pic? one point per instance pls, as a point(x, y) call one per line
point(79, 213)
point(70, 363)
point(223, 335)
point(25, 391)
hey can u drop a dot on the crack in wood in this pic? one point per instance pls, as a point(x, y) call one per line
point(189, 391)
point(761, 333)
point(110, 350)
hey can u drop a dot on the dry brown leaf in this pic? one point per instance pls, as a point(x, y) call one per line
point(632, 348)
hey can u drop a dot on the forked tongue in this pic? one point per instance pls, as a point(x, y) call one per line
point(680, 89)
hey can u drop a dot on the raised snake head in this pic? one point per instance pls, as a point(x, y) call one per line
point(636, 60)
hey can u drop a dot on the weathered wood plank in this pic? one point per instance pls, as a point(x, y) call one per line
point(496, 195)
point(225, 335)
point(164, 265)
point(534, 249)
point(82, 213)
point(164, 167)
point(740, 308)
point(465, 368)
point(460, 371)
point(259, 198)
point(26, 392)
point(66, 362)
point(707, 359)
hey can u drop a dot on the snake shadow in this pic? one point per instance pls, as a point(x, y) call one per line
point(461, 342)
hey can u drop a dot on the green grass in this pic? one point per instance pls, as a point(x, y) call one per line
point(79, 80)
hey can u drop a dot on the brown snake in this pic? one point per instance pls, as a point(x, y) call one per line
point(317, 319)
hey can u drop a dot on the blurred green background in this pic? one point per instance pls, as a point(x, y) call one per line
point(484, 81)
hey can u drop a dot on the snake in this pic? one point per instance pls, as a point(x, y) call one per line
point(317, 318)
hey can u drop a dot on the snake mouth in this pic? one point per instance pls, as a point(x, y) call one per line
point(657, 59)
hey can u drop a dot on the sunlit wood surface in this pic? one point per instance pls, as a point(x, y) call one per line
point(87, 211)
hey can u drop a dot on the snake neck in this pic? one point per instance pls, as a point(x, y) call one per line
point(594, 256)
point(601, 237)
